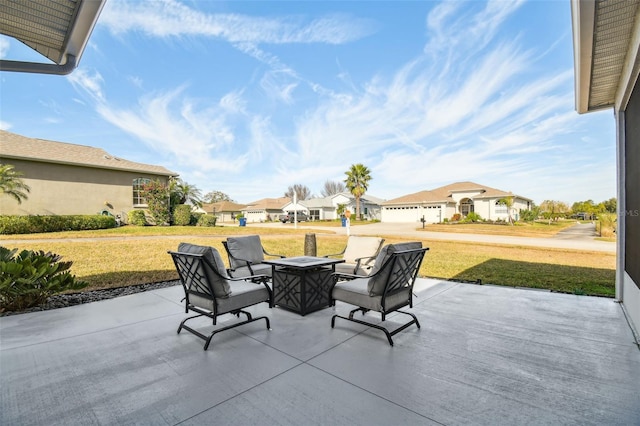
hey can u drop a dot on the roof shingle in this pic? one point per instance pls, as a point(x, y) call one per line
point(23, 148)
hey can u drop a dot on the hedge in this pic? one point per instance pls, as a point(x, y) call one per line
point(39, 224)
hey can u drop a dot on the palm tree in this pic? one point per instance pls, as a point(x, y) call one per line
point(11, 183)
point(181, 192)
point(357, 182)
point(508, 203)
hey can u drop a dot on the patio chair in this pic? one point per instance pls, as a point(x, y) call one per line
point(210, 292)
point(246, 255)
point(359, 255)
point(386, 290)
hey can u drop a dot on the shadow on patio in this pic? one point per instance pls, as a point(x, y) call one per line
point(484, 355)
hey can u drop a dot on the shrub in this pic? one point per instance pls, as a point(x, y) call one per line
point(182, 215)
point(137, 217)
point(28, 278)
point(157, 195)
point(207, 220)
point(38, 224)
point(195, 217)
point(456, 217)
point(473, 217)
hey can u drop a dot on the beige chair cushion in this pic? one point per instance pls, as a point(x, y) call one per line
point(221, 287)
point(358, 247)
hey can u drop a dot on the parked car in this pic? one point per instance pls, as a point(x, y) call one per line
point(289, 217)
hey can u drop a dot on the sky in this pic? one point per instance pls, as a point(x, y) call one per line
point(251, 97)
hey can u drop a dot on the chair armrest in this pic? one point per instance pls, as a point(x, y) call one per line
point(336, 254)
point(273, 255)
point(341, 276)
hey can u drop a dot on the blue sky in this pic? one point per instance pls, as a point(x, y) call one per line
point(250, 97)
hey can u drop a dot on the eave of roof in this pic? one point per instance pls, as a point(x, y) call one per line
point(58, 30)
point(606, 42)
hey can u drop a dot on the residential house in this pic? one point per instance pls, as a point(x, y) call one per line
point(327, 208)
point(462, 198)
point(606, 46)
point(265, 210)
point(225, 211)
point(67, 179)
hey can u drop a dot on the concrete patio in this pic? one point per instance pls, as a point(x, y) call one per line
point(485, 355)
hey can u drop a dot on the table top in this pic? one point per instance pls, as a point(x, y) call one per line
point(303, 262)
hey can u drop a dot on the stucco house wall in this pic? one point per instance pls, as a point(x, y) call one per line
point(68, 179)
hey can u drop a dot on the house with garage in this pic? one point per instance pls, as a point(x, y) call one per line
point(70, 179)
point(436, 205)
point(265, 210)
point(326, 208)
point(225, 211)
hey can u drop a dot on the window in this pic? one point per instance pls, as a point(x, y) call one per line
point(314, 214)
point(138, 184)
point(501, 208)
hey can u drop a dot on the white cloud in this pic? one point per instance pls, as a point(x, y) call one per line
point(4, 47)
point(181, 130)
point(169, 18)
point(4, 125)
point(88, 83)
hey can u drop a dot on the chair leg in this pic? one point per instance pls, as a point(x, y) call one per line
point(208, 338)
point(376, 326)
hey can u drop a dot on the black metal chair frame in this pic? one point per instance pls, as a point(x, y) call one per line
point(400, 279)
point(248, 262)
point(190, 267)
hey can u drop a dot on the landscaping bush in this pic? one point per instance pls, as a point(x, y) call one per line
point(182, 215)
point(157, 194)
point(28, 278)
point(473, 217)
point(456, 217)
point(137, 217)
point(207, 220)
point(38, 224)
point(195, 217)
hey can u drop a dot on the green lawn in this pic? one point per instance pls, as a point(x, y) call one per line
point(134, 255)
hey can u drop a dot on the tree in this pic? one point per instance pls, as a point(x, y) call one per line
point(611, 205)
point(12, 184)
point(552, 209)
point(332, 188)
point(357, 182)
point(508, 203)
point(216, 197)
point(302, 192)
point(181, 192)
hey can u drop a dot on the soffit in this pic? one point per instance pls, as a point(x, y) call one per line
point(603, 34)
point(54, 28)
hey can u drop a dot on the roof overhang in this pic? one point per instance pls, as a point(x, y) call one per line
point(606, 42)
point(59, 30)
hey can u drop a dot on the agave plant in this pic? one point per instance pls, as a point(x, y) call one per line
point(29, 278)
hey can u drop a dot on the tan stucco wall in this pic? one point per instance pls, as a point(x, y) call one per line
point(58, 189)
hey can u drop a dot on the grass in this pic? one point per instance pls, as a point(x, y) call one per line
point(133, 255)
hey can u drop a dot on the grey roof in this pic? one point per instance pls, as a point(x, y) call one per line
point(59, 30)
point(603, 32)
point(13, 146)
